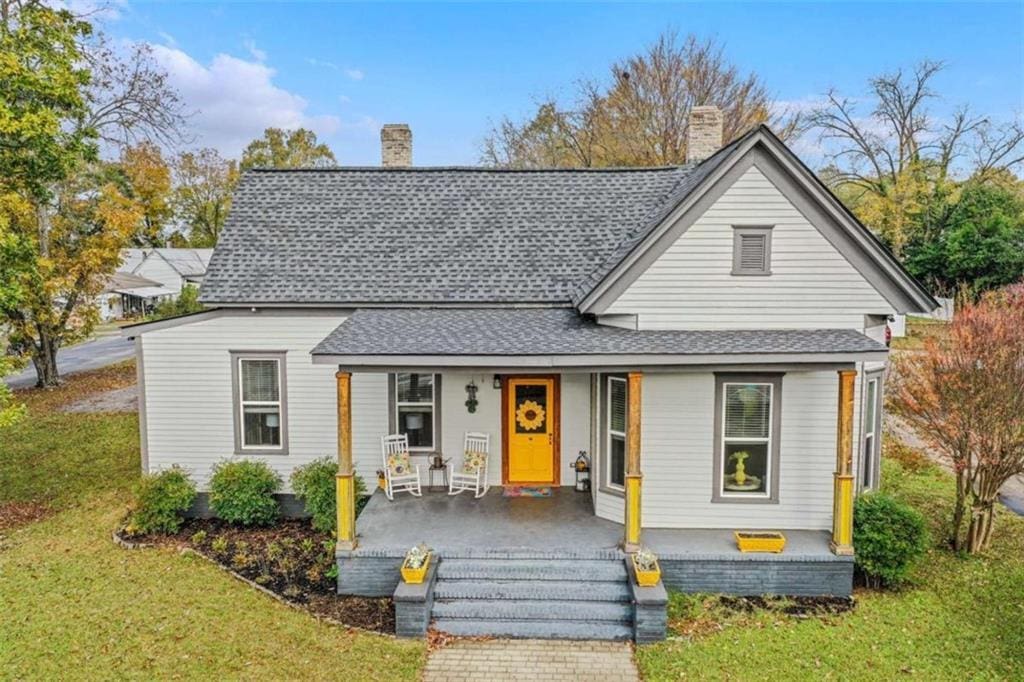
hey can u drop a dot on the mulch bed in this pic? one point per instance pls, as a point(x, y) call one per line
point(289, 559)
point(792, 606)
point(15, 514)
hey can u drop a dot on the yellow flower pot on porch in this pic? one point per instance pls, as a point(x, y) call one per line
point(646, 578)
point(760, 541)
point(415, 576)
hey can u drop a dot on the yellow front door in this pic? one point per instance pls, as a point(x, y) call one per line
point(532, 427)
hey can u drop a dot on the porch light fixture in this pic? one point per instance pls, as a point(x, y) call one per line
point(497, 381)
point(471, 401)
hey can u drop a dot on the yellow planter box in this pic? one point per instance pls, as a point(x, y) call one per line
point(415, 576)
point(646, 578)
point(760, 541)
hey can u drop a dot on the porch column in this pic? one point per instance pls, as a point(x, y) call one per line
point(634, 478)
point(842, 508)
point(345, 482)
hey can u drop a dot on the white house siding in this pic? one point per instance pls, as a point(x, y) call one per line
point(189, 396)
point(690, 286)
point(156, 268)
point(678, 456)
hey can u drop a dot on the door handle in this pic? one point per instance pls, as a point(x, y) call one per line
point(551, 438)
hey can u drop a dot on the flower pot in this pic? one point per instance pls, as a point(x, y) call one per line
point(760, 541)
point(646, 578)
point(382, 483)
point(415, 576)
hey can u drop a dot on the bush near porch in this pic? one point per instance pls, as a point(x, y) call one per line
point(957, 618)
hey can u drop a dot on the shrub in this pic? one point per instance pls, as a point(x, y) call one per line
point(242, 492)
point(160, 501)
point(913, 459)
point(314, 484)
point(888, 536)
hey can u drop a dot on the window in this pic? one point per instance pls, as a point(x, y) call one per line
point(261, 419)
point(746, 438)
point(615, 427)
point(871, 441)
point(414, 408)
point(751, 250)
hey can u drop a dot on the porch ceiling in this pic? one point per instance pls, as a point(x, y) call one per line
point(561, 337)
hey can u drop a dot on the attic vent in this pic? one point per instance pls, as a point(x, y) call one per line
point(751, 253)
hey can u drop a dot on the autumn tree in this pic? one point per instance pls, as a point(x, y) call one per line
point(15, 261)
point(897, 165)
point(964, 397)
point(203, 183)
point(640, 115)
point(53, 112)
point(145, 177)
point(279, 148)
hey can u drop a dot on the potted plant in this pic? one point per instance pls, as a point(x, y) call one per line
point(645, 564)
point(760, 541)
point(382, 482)
point(416, 563)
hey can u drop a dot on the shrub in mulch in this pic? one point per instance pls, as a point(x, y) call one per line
point(290, 559)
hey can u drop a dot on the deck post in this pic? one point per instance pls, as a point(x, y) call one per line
point(634, 479)
point(842, 509)
point(345, 481)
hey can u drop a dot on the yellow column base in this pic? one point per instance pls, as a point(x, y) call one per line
point(842, 516)
point(346, 511)
point(631, 541)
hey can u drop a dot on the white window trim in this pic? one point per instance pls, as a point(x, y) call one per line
point(866, 454)
point(770, 495)
point(609, 432)
point(240, 403)
point(396, 406)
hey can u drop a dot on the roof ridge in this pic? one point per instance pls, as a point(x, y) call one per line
point(471, 169)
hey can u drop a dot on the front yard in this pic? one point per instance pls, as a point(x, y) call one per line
point(74, 605)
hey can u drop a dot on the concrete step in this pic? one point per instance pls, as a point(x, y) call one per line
point(534, 629)
point(596, 570)
point(534, 609)
point(540, 590)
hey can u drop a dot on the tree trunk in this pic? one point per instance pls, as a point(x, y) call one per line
point(44, 357)
point(980, 531)
point(959, 508)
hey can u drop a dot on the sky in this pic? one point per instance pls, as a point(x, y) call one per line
point(452, 70)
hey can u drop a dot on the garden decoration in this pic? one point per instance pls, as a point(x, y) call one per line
point(645, 564)
point(417, 561)
point(739, 479)
point(471, 401)
point(382, 481)
point(530, 415)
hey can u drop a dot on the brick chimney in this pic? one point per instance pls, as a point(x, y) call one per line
point(395, 145)
point(704, 133)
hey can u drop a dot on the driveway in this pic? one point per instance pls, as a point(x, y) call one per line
point(88, 355)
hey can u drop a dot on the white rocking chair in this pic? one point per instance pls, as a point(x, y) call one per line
point(399, 473)
point(473, 475)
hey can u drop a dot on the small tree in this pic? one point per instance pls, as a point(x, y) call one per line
point(964, 397)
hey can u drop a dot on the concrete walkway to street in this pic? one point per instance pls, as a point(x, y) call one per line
point(531, 659)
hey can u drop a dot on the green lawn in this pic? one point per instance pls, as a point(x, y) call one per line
point(75, 606)
point(960, 619)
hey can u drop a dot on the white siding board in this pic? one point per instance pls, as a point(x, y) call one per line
point(690, 285)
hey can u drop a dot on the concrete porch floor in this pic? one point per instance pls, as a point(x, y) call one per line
point(560, 526)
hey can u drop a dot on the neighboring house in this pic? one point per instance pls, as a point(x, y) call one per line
point(149, 276)
point(659, 320)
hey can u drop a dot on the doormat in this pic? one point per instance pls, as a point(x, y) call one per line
point(526, 491)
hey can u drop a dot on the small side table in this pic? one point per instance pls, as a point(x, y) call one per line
point(443, 469)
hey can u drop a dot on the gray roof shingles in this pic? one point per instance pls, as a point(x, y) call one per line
point(430, 235)
point(559, 331)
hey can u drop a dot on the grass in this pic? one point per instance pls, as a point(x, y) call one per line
point(75, 606)
point(960, 618)
point(919, 329)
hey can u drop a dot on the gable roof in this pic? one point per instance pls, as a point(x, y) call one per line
point(352, 236)
point(186, 262)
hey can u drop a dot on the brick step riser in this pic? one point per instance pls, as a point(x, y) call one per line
point(522, 609)
point(553, 590)
point(527, 629)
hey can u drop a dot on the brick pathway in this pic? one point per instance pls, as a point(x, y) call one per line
point(531, 659)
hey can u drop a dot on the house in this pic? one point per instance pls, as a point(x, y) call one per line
point(149, 276)
point(708, 337)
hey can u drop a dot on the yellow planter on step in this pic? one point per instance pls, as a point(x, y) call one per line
point(760, 541)
point(415, 576)
point(646, 578)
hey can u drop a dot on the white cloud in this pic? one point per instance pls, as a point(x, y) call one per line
point(167, 38)
point(235, 100)
point(354, 74)
point(257, 54)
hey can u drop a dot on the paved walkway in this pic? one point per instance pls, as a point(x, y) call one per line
point(531, 659)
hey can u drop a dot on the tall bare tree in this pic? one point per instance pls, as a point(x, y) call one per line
point(639, 117)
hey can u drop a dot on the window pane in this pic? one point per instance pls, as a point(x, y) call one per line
point(259, 380)
point(531, 409)
point(869, 406)
point(262, 426)
point(415, 388)
point(418, 424)
point(869, 459)
point(745, 469)
point(617, 405)
point(747, 410)
point(617, 461)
